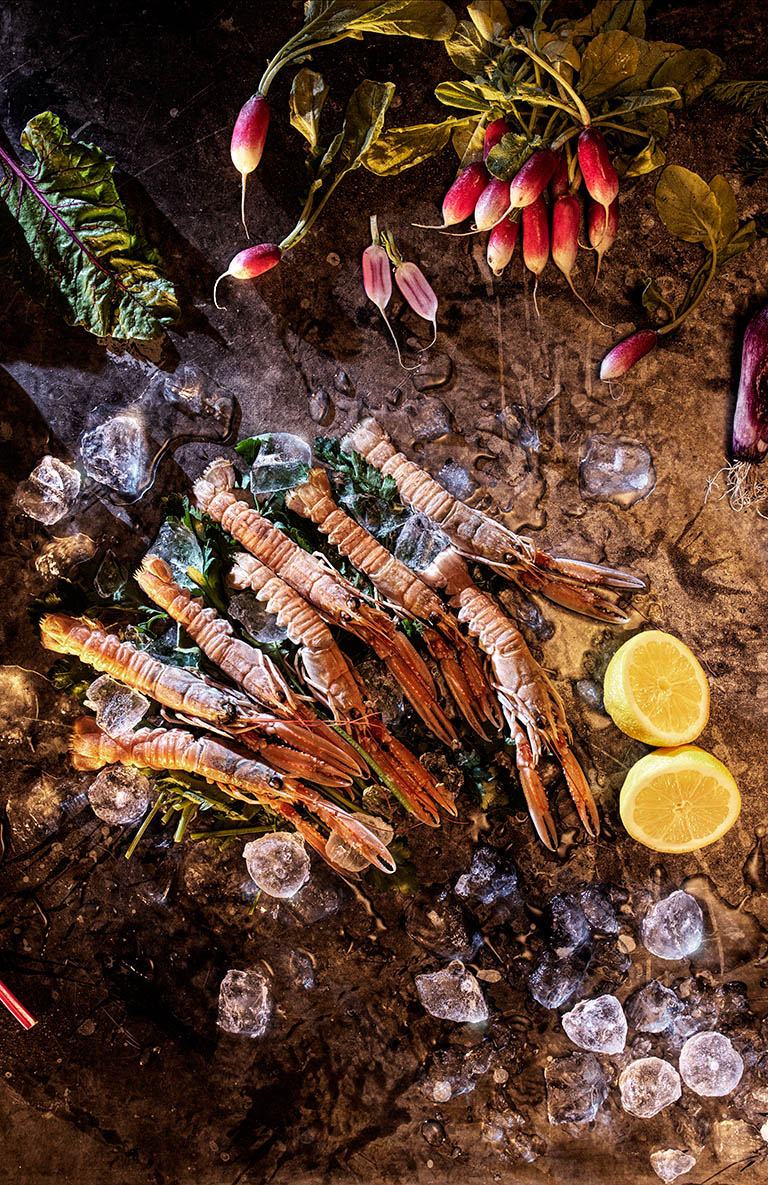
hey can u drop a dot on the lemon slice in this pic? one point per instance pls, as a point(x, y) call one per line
point(656, 691)
point(678, 800)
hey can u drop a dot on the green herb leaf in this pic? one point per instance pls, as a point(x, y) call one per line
point(469, 51)
point(687, 206)
point(469, 96)
point(749, 96)
point(510, 154)
point(751, 157)
point(690, 71)
point(69, 240)
point(399, 149)
point(308, 93)
point(363, 124)
point(608, 60)
point(426, 19)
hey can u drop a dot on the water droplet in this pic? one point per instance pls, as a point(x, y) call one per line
point(343, 383)
point(321, 407)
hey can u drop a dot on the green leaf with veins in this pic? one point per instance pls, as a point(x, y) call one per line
point(490, 18)
point(426, 19)
point(402, 148)
point(687, 206)
point(608, 60)
point(662, 96)
point(649, 158)
point(729, 214)
point(651, 55)
point(510, 154)
point(68, 239)
point(308, 94)
point(690, 71)
point(609, 15)
point(468, 141)
point(363, 124)
point(469, 51)
point(470, 96)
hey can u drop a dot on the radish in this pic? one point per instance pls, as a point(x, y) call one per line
point(419, 294)
point(462, 197)
point(377, 282)
point(248, 136)
point(624, 355)
point(535, 220)
point(501, 245)
point(248, 264)
point(602, 231)
point(492, 205)
point(529, 182)
point(749, 441)
point(559, 183)
point(493, 134)
point(566, 219)
point(600, 177)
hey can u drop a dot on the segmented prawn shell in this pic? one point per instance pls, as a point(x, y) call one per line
point(250, 668)
point(332, 681)
point(481, 538)
point(531, 704)
point(406, 593)
point(335, 598)
point(241, 776)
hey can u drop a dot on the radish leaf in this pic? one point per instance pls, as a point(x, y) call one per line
point(608, 60)
point(690, 71)
point(308, 93)
point(428, 19)
point(402, 148)
point(469, 51)
point(687, 206)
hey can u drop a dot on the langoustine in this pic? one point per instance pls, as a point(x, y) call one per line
point(403, 590)
point(331, 679)
point(531, 704)
point(254, 671)
point(335, 598)
point(479, 537)
point(185, 693)
point(241, 776)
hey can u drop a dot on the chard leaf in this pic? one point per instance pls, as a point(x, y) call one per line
point(490, 18)
point(749, 96)
point(662, 96)
point(363, 124)
point(69, 240)
point(512, 151)
point(468, 50)
point(690, 71)
point(308, 93)
point(687, 206)
point(402, 148)
point(608, 60)
point(426, 19)
point(469, 96)
point(751, 158)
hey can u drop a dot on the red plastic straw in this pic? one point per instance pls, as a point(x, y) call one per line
point(16, 1008)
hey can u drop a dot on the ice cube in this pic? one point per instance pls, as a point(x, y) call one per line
point(455, 479)
point(452, 994)
point(492, 874)
point(120, 794)
point(35, 811)
point(245, 1003)
point(567, 923)
point(282, 463)
point(196, 394)
point(428, 419)
point(277, 863)
point(709, 1064)
point(453, 1072)
point(737, 1141)
point(671, 1163)
point(673, 928)
point(50, 491)
point(383, 689)
point(652, 1008)
point(576, 1088)
point(599, 1025)
point(248, 610)
point(616, 469)
point(118, 452)
point(63, 553)
point(647, 1086)
point(118, 708)
point(319, 898)
point(301, 966)
point(419, 543)
point(553, 980)
point(178, 545)
point(343, 854)
point(596, 901)
point(441, 927)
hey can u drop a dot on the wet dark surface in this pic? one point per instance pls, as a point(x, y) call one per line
point(126, 1077)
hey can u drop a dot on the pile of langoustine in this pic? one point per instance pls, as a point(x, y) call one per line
point(263, 743)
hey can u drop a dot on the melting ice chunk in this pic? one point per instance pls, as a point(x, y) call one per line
point(50, 491)
point(648, 1086)
point(671, 1163)
point(553, 980)
point(278, 863)
point(419, 543)
point(674, 927)
point(452, 994)
point(567, 923)
point(263, 627)
point(197, 394)
point(616, 469)
point(179, 547)
point(492, 874)
point(281, 464)
point(120, 794)
point(652, 1008)
point(245, 1003)
point(61, 554)
point(455, 479)
point(710, 1065)
point(576, 1088)
point(118, 453)
point(343, 854)
point(599, 1025)
point(118, 708)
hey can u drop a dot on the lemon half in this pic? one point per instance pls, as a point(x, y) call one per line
point(655, 690)
point(679, 800)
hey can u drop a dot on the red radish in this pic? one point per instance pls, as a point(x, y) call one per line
point(250, 263)
point(602, 232)
point(377, 282)
point(600, 177)
point(566, 219)
point(535, 219)
point(501, 245)
point(461, 198)
point(493, 135)
point(559, 183)
point(529, 182)
point(624, 355)
point(749, 441)
point(419, 294)
point(248, 136)
point(492, 205)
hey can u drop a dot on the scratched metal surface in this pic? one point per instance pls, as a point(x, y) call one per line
point(126, 1077)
